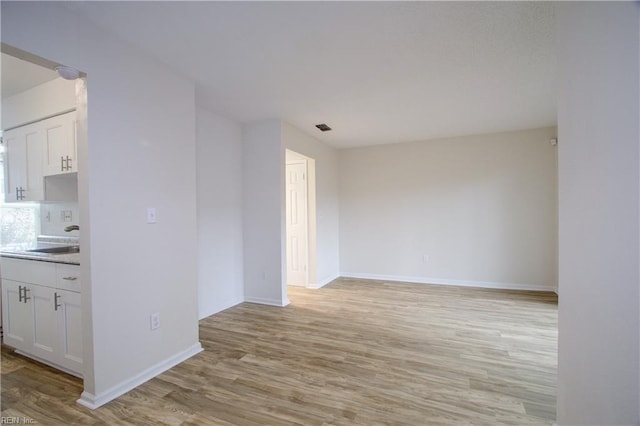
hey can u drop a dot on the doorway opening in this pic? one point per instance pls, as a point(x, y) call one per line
point(300, 219)
point(44, 136)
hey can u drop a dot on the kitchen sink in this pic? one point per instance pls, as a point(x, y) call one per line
point(57, 250)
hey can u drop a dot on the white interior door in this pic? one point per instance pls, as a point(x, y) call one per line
point(297, 230)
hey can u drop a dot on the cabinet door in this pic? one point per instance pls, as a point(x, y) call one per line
point(35, 179)
point(24, 164)
point(17, 316)
point(44, 321)
point(59, 135)
point(15, 164)
point(70, 330)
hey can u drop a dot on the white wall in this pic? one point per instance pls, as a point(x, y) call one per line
point(327, 200)
point(219, 192)
point(599, 181)
point(44, 100)
point(263, 207)
point(264, 145)
point(482, 208)
point(140, 153)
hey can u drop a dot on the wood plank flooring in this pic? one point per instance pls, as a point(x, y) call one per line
point(352, 353)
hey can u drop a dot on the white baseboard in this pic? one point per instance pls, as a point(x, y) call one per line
point(324, 282)
point(270, 302)
point(220, 308)
point(440, 281)
point(92, 401)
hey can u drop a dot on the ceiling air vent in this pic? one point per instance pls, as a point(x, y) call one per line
point(323, 127)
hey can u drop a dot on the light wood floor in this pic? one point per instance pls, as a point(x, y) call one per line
point(354, 352)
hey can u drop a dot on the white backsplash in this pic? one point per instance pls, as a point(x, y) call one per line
point(54, 217)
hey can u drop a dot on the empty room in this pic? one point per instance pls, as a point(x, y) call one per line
point(264, 213)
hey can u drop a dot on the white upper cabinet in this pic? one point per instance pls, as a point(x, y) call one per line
point(23, 167)
point(59, 139)
point(44, 148)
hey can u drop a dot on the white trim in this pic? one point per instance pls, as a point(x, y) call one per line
point(94, 401)
point(324, 282)
point(270, 302)
point(440, 281)
point(214, 311)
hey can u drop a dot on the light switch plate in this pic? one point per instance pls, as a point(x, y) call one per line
point(155, 320)
point(151, 215)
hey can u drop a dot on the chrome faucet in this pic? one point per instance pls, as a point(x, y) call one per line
point(72, 228)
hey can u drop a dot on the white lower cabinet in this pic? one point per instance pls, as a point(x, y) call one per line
point(41, 321)
point(70, 328)
point(45, 333)
point(17, 317)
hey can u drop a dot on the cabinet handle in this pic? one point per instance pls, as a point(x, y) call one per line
point(20, 294)
point(69, 163)
point(55, 301)
point(26, 298)
point(17, 193)
point(61, 163)
point(70, 278)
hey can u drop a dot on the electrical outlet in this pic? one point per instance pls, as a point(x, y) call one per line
point(155, 320)
point(66, 215)
point(425, 258)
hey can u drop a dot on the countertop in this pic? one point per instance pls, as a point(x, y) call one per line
point(22, 252)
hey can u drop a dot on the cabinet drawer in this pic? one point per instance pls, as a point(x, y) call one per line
point(28, 271)
point(68, 277)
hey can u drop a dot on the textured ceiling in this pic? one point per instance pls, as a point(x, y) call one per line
point(19, 75)
point(376, 72)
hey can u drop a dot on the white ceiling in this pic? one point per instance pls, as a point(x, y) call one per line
point(19, 75)
point(376, 72)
